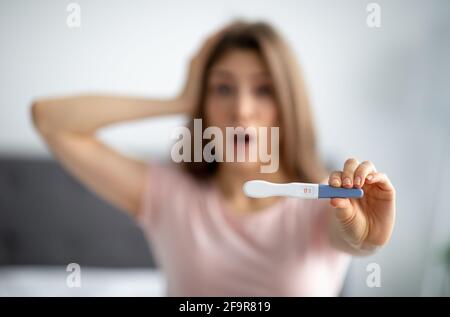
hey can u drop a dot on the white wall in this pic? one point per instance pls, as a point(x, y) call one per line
point(379, 94)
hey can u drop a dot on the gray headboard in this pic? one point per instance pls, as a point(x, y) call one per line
point(48, 218)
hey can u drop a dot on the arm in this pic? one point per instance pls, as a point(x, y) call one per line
point(85, 114)
point(68, 126)
point(361, 226)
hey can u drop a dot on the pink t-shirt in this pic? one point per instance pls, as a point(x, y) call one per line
point(206, 249)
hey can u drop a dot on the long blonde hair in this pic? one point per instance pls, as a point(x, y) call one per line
point(298, 151)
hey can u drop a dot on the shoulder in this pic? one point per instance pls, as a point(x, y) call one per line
point(168, 191)
point(167, 179)
point(172, 173)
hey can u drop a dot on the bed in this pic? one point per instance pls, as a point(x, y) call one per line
point(41, 281)
point(48, 220)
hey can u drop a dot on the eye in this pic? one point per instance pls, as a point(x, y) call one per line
point(224, 89)
point(264, 90)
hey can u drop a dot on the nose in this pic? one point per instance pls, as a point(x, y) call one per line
point(244, 109)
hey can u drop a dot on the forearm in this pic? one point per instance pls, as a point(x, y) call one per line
point(87, 113)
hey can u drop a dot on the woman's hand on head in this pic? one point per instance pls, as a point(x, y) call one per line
point(189, 97)
point(365, 223)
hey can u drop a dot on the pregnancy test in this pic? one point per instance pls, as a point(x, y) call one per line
point(262, 189)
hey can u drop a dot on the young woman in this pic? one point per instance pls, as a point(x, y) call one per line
point(207, 236)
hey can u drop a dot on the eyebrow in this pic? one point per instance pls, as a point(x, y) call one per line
point(227, 74)
point(220, 72)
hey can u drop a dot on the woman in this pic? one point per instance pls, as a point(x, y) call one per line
point(207, 236)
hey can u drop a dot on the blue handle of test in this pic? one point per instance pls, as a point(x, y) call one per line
point(327, 191)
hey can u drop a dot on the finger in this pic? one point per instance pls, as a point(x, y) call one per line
point(381, 180)
point(212, 39)
point(205, 49)
point(335, 179)
point(344, 209)
point(362, 171)
point(350, 166)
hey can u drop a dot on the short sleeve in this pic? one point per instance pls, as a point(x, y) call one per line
point(165, 188)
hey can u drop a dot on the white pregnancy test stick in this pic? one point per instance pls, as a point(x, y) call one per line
point(262, 189)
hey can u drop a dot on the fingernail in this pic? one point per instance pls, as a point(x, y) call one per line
point(357, 180)
point(369, 177)
point(335, 182)
point(347, 181)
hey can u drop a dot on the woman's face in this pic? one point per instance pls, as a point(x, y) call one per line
point(240, 93)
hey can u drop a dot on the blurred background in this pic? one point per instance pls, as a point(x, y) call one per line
point(381, 94)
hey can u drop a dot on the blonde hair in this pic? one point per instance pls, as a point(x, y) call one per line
point(298, 151)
